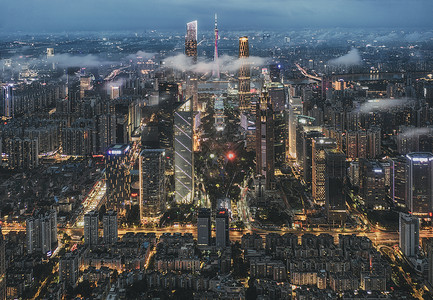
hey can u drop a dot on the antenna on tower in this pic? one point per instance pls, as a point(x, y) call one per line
point(216, 69)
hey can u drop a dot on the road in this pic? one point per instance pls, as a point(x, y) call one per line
point(302, 70)
point(93, 201)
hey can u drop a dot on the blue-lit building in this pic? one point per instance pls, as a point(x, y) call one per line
point(117, 173)
point(183, 154)
point(419, 182)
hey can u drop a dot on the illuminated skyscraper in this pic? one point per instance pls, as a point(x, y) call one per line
point(50, 52)
point(244, 76)
point(117, 172)
point(8, 101)
point(419, 182)
point(265, 158)
point(191, 40)
point(318, 167)
point(295, 109)
point(216, 68)
point(183, 157)
point(152, 183)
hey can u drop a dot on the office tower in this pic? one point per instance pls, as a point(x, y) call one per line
point(307, 156)
point(191, 40)
point(41, 232)
point(216, 67)
point(244, 76)
point(304, 126)
point(69, 269)
point(152, 183)
point(265, 158)
point(399, 181)
point(91, 225)
point(23, 153)
point(408, 234)
point(335, 173)
point(319, 146)
point(115, 92)
point(295, 110)
point(8, 101)
point(109, 224)
point(222, 228)
point(3, 292)
point(372, 183)
point(184, 156)
point(117, 172)
point(50, 52)
point(419, 182)
point(275, 72)
point(204, 227)
point(85, 85)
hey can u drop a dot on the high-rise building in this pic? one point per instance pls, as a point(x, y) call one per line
point(23, 153)
point(320, 144)
point(191, 40)
point(408, 234)
point(115, 92)
point(69, 269)
point(307, 153)
point(204, 227)
point(244, 76)
point(398, 186)
point(3, 292)
point(184, 156)
point(50, 52)
point(363, 143)
point(109, 224)
point(419, 182)
point(8, 101)
point(295, 110)
point(335, 173)
point(216, 67)
point(372, 183)
point(222, 228)
point(265, 158)
point(41, 232)
point(152, 183)
point(85, 85)
point(117, 171)
point(91, 226)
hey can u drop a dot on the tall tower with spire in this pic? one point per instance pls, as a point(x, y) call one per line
point(216, 68)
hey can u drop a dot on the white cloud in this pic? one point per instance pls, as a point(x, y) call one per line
point(350, 59)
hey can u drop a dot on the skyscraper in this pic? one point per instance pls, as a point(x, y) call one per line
point(408, 234)
point(91, 224)
point(8, 101)
point(372, 183)
point(216, 68)
point(2, 267)
point(109, 223)
point(222, 228)
point(152, 183)
point(319, 146)
point(265, 158)
point(335, 173)
point(204, 227)
point(307, 156)
point(295, 110)
point(117, 172)
point(244, 76)
point(184, 156)
point(419, 182)
point(191, 40)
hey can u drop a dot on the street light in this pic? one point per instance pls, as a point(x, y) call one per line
point(230, 155)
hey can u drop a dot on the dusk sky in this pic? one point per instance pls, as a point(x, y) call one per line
point(61, 15)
